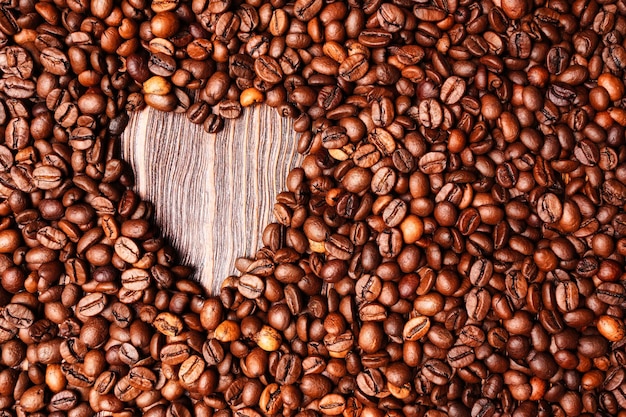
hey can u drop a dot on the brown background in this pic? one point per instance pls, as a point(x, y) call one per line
point(213, 194)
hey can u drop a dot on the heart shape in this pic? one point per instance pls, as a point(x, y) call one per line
point(212, 193)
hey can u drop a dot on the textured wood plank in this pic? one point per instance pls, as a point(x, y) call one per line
point(213, 194)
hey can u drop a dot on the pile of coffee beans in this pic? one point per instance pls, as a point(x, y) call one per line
point(453, 243)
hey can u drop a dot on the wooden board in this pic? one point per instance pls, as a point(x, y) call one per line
point(213, 194)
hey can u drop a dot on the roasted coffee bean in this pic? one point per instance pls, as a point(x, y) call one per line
point(191, 369)
point(174, 354)
point(452, 90)
point(483, 407)
point(315, 385)
point(436, 371)
point(64, 400)
point(268, 69)
point(567, 295)
point(251, 286)
point(305, 10)
point(432, 163)
point(460, 356)
point(481, 272)
point(168, 324)
point(472, 336)
point(161, 64)
point(549, 208)
point(332, 404)
point(370, 381)
point(229, 109)
point(212, 352)
point(354, 67)
point(289, 369)
point(19, 316)
point(383, 181)
point(141, 378)
point(477, 303)
point(611, 293)
point(91, 305)
point(55, 61)
point(416, 328)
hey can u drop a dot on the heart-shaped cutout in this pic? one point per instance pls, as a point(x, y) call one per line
point(213, 193)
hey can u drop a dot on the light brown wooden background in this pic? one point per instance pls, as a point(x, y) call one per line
point(213, 194)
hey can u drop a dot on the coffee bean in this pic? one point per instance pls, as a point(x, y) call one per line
point(17, 133)
point(430, 113)
point(383, 141)
point(161, 64)
point(52, 238)
point(516, 285)
point(174, 354)
point(15, 60)
point(55, 61)
point(477, 303)
point(354, 67)
point(137, 67)
point(436, 371)
point(403, 161)
point(611, 293)
point(305, 10)
point(472, 336)
point(64, 400)
point(250, 286)
point(483, 407)
point(229, 109)
point(141, 378)
point(432, 163)
point(389, 242)
point(416, 328)
point(164, 24)
point(268, 69)
point(19, 316)
point(340, 247)
point(136, 279)
point(613, 192)
point(334, 137)
point(16, 87)
point(32, 399)
point(370, 381)
point(567, 296)
point(549, 208)
point(315, 385)
point(339, 345)
point(91, 305)
point(168, 324)
point(481, 272)
point(611, 328)
point(383, 181)
point(452, 90)
point(332, 404)
point(191, 369)
point(375, 38)
point(460, 356)
point(127, 249)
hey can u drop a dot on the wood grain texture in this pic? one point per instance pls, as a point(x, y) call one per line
point(213, 194)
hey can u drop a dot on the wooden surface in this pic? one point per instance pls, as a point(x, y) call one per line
point(213, 194)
